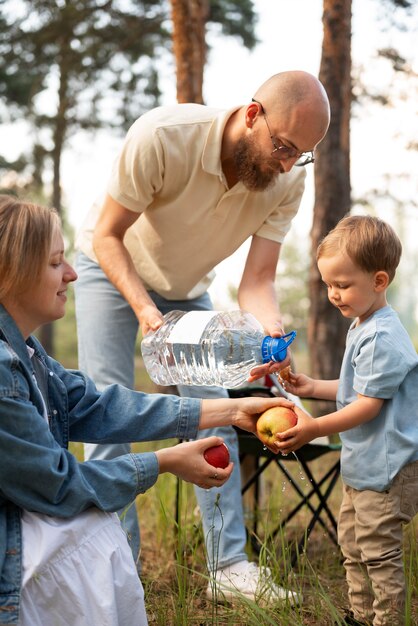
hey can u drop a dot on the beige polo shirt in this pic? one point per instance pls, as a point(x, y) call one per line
point(169, 171)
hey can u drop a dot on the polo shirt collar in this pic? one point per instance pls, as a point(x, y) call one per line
point(211, 161)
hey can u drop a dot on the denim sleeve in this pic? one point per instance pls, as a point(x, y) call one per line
point(120, 415)
point(147, 470)
point(37, 474)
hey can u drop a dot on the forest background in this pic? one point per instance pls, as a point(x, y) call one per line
point(74, 74)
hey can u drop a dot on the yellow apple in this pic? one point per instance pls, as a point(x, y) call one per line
point(273, 421)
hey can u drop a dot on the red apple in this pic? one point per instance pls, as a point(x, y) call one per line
point(273, 421)
point(218, 456)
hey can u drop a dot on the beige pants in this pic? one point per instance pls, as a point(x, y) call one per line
point(370, 530)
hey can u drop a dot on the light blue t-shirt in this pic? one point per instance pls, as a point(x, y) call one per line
point(380, 361)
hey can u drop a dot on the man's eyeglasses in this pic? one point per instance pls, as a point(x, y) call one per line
point(281, 151)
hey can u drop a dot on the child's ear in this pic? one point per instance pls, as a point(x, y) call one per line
point(381, 280)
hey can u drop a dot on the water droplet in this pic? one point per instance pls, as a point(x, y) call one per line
point(301, 474)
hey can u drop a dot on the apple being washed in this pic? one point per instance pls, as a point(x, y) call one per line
point(273, 421)
point(218, 456)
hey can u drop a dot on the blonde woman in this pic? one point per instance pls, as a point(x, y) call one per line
point(64, 558)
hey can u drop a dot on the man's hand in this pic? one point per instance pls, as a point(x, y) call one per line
point(268, 368)
point(150, 318)
point(274, 329)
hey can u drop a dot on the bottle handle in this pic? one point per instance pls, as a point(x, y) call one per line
point(275, 348)
point(284, 343)
point(289, 337)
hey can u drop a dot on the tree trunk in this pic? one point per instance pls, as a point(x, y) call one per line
point(46, 333)
point(326, 327)
point(189, 47)
point(46, 337)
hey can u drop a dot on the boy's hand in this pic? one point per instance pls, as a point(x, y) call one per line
point(299, 385)
point(294, 438)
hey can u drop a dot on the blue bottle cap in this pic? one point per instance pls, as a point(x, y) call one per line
point(275, 348)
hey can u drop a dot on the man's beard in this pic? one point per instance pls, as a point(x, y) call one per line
point(247, 161)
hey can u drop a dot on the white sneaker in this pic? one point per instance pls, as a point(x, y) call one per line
point(250, 581)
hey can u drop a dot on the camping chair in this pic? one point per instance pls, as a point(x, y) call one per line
point(320, 485)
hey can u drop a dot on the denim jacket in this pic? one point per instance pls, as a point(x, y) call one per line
point(38, 473)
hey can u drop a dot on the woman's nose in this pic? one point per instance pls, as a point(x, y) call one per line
point(70, 274)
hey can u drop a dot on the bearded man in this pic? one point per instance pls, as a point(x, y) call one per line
point(190, 185)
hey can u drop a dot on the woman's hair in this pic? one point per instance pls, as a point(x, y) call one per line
point(370, 243)
point(26, 232)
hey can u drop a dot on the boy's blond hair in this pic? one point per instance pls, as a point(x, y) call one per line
point(26, 232)
point(370, 243)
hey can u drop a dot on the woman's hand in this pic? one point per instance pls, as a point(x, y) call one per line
point(248, 410)
point(240, 412)
point(186, 461)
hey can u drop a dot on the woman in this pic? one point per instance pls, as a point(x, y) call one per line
point(64, 558)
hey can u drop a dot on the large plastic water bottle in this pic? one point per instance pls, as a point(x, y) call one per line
point(209, 348)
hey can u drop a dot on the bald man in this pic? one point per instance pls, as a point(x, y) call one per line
point(189, 186)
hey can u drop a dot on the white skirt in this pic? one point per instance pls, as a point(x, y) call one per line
point(79, 572)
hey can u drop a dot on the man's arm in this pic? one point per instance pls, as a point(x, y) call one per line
point(257, 292)
point(257, 295)
point(117, 264)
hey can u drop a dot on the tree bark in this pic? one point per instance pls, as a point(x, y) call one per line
point(326, 326)
point(189, 25)
point(46, 333)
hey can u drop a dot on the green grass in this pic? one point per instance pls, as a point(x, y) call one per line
point(173, 566)
point(174, 572)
